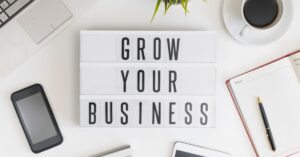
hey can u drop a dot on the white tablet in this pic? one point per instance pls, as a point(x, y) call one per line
point(188, 150)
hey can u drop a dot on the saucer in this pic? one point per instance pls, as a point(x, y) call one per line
point(234, 23)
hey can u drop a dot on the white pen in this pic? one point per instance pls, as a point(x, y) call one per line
point(123, 151)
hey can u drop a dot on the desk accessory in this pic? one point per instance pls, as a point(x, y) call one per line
point(189, 150)
point(34, 27)
point(123, 151)
point(241, 30)
point(147, 78)
point(168, 4)
point(37, 119)
point(261, 14)
point(277, 82)
point(267, 125)
point(10, 9)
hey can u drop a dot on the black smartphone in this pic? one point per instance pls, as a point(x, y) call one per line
point(37, 118)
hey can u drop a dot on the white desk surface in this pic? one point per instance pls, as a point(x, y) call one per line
point(56, 68)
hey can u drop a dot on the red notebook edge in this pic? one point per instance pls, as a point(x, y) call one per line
point(228, 85)
point(291, 155)
point(240, 116)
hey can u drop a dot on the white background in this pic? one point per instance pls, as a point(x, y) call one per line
point(56, 67)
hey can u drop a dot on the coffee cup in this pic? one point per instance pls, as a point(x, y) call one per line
point(261, 14)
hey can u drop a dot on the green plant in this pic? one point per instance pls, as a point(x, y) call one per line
point(168, 4)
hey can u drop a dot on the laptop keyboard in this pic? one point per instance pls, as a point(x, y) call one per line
point(10, 8)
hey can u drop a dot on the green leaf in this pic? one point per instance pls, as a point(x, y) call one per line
point(156, 9)
point(182, 4)
point(186, 5)
point(167, 6)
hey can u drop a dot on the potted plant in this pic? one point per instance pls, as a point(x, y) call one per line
point(168, 4)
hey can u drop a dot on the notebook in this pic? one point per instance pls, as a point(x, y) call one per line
point(277, 84)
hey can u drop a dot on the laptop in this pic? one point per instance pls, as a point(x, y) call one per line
point(26, 25)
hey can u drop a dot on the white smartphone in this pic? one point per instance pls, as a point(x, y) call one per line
point(189, 150)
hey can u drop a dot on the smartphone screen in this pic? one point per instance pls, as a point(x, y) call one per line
point(185, 154)
point(36, 118)
point(189, 150)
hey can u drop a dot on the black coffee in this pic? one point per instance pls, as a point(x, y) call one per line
point(260, 13)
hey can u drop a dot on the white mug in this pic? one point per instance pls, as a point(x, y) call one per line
point(247, 26)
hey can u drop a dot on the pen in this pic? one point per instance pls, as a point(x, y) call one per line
point(266, 122)
point(107, 153)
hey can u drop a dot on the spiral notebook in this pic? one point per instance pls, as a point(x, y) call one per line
point(278, 85)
